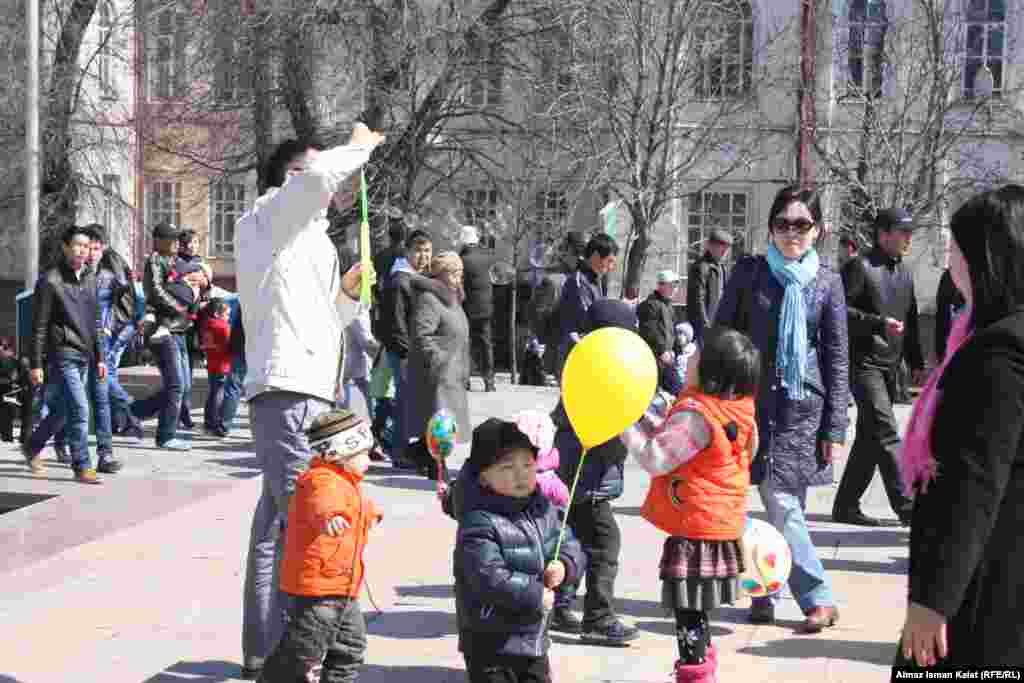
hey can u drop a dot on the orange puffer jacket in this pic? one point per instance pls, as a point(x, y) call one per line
point(315, 563)
point(705, 498)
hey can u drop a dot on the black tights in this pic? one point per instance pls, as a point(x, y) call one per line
point(693, 634)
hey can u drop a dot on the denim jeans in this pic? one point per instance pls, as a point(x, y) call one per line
point(170, 357)
point(399, 439)
point(185, 409)
point(325, 641)
point(67, 403)
point(213, 413)
point(120, 399)
point(363, 385)
point(233, 390)
point(807, 580)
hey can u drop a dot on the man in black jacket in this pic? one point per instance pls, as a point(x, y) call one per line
point(581, 290)
point(883, 328)
point(658, 326)
point(479, 302)
point(65, 328)
point(706, 282)
point(396, 310)
point(949, 303)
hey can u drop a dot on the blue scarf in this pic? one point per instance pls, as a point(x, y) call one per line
point(791, 354)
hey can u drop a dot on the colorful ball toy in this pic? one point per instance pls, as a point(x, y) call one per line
point(767, 559)
point(440, 434)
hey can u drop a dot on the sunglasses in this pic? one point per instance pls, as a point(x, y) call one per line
point(801, 226)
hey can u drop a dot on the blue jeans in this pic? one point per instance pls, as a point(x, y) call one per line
point(170, 357)
point(233, 390)
point(120, 399)
point(807, 580)
point(399, 440)
point(213, 413)
point(99, 391)
point(363, 385)
point(67, 402)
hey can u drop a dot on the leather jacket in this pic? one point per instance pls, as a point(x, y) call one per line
point(66, 315)
point(169, 313)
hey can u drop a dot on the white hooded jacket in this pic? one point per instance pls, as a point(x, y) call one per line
point(289, 283)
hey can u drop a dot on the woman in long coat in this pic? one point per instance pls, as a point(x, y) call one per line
point(964, 456)
point(438, 355)
point(794, 310)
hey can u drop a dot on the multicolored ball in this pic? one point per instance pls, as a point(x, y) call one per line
point(440, 434)
point(766, 558)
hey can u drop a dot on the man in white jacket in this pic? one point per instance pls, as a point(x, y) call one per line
point(296, 305)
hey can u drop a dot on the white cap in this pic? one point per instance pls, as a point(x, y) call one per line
point(666, 276)
point(468, 235)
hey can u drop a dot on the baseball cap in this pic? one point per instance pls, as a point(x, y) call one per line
point(894, 219)
point(468, 235)
point(166, 231)
point(666, 276)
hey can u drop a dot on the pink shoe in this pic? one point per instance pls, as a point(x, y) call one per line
point(697, 673)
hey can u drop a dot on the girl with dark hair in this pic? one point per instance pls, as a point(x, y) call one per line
point(698, 453)
point(794, 310)
point(963, 458)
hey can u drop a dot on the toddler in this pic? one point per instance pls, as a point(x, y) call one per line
point(698, 456)
point(216, 344)
point(329, 520)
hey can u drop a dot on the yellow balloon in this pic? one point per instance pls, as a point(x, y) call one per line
point(608, 382)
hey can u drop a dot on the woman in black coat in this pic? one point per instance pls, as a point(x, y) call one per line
point(964, 457)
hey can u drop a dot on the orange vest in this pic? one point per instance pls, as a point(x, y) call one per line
point(705, 498)
point(315, 563)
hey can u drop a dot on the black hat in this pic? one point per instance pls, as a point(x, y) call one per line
point(611, 313)
point(493, 438)
point(894, 219)
point(721, 236)
point(97, 232)
point(165, 231)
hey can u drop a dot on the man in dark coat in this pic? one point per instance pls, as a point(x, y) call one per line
point(949, 302)
point(581, 290)
point(658, 324)
point(382, 264)
point(479, 302)
point(883, 329)
point(548, 294)
point(706, 282)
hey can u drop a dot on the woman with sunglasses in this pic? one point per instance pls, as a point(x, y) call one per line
point(794, 309)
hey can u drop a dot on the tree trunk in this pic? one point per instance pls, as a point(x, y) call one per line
point(262, 97)
point(59, 192)
point(513, 327)
point(636, 259)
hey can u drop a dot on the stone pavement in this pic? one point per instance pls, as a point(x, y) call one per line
point(139, 580)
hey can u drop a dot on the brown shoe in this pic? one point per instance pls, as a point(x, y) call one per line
point(34, 461)
point(819, 619)
point(87, 476)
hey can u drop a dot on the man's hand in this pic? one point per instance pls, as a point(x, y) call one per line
point(352, 280)
point(554, 574)
point(335, 526)
point(549, 599)
point(667, 357)
point(101, 370)
point(829, 450)
point(362, 135)
point(893, 327)
point(36, 376)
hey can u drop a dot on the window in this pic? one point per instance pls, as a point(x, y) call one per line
point(163, 203)
point(552, 209)
point(166, 53)
point(111, 200)
point(717, 210)
point(104, 55)
point(487, 73)
point(724, 36)
point(481, 210)
point(866, 52)
point(227, 204)
point(984, 44)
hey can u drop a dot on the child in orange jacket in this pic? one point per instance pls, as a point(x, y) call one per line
point(329, 520)
point(698, 456)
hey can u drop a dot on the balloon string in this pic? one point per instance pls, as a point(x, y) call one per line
point(572, 495)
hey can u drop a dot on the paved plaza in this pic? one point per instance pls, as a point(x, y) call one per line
point(140, 579)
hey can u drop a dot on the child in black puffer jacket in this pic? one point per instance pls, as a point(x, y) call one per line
point(505, 569)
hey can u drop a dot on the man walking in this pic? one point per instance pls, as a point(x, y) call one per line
point(657, 321)
point(65, 331)
point(295, 308)
point(479, 303)
point(706, 282)
point(883, 328)
point(581, 290)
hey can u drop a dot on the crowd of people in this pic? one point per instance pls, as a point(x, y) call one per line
point(753, 389)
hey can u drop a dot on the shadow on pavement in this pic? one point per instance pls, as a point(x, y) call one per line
point(647, 609)
point(668, 628)
point(438, 591)
point(898, 566)
point(200, 672)
point(416, 625)
point(874, 538)
point(8, 679)
point(386, 673)
point(247, 462)
point(809, 648)
point(411, 483)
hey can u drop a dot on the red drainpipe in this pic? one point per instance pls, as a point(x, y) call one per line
point(807, 109)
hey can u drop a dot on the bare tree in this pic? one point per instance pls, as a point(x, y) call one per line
point(915, 116)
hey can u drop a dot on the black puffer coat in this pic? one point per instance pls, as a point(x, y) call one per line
point(603, 475)
point(502, 548)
